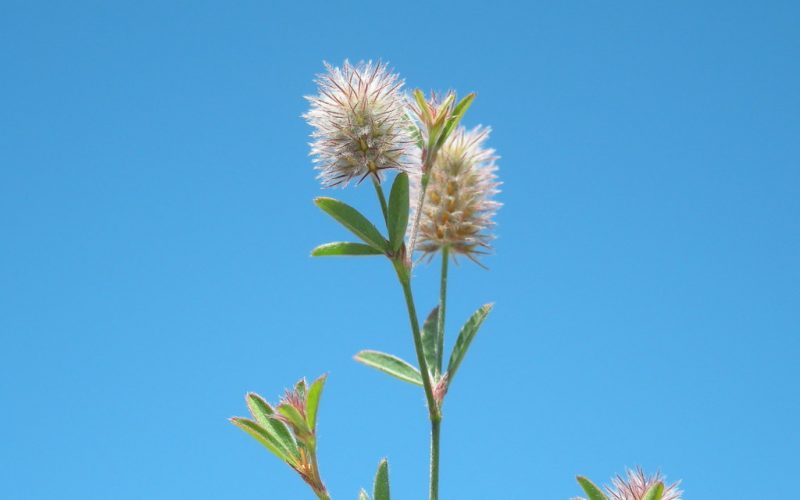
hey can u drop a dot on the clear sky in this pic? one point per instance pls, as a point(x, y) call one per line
point(156, 221)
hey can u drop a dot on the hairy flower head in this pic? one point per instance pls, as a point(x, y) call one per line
point(360, 123)
point(636, 484)
point(458, 207)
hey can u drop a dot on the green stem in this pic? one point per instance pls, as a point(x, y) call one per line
point(381, 197)
point(403, 268)
point(433, 408)
point(405, 282)
point(442, 305)
point(319, 488)
point(435, 430)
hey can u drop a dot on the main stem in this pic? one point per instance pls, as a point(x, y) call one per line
point(405, 282)
point(403, 268)
point(435, 430)
point(433, 408)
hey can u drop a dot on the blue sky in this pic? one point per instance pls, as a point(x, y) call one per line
point(156, 217)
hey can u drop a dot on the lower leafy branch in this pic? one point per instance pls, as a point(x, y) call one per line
point(636, 485)
point(289, 430)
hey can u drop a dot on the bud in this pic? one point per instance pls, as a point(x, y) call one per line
point(360, 123)
point(636, 484)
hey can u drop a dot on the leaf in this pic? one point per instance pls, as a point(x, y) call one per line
point(312, 403)
point(446, 104)
point(263, 437)
point(397, 219)
point(381, 489)
point(425, 113)
point(352, 219)
point(464, 104)
point(362, 495)
point(392, 365)
point(344, 249)
point(592, 491)
point(655, 492)
point(458, 113)
point(465, 337)
point(261, 411)
point(441, 112)
point(295, 419)
point(430, 340)
point(300, 388)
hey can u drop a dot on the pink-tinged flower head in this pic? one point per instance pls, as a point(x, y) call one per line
point(459, 207)
point(360, 123)
point(636, 484)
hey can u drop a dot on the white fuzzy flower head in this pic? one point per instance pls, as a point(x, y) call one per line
point(458, 208)
point(636, 484)
point(360, 123)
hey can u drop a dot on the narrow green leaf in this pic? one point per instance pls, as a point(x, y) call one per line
point(655, 492)
point(312, 403)
point(430, 340)
point(592, 491)
point(344, 249)
point(397, 220)
point(259, 408)
point(295, 419)
point(363, 495)
point(423, 107)
point(352, 219)
point(464, 104)
point(441, 112)
point(446, 104)
point(300, 388)
point(392, 365)
point(263, 437)
point(261, 411)
point(458, 113)
point(465, 337)
point(381, 489)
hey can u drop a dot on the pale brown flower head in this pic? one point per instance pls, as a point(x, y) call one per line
point(360, 123)
point(458, 207)
point(636, 484)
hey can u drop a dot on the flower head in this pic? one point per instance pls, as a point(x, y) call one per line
point(636, 484)
point(458, 207)
point(360, 123)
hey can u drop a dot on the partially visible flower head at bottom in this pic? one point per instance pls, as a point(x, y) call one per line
point(459, 208)
point(636, 483)
point(360, 123)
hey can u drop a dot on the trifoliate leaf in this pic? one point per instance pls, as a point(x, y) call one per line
point(352, 219)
